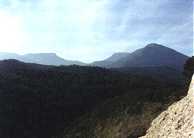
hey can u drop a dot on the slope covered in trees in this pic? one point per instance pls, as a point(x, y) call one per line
point(39, 101)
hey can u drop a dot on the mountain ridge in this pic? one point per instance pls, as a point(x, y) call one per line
point(40, 58)
point(151, 55)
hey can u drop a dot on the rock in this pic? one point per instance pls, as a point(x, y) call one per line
point(177, 121)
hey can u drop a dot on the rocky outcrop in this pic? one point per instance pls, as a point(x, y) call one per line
point(177, 121)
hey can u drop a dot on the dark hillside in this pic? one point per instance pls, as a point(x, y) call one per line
point(39, 101)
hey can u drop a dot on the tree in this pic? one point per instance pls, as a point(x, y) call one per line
point(189, 67)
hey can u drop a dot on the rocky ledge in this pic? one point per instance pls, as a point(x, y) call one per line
point(177, 121)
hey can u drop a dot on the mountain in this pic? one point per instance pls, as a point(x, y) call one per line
point(115, 57)
point(40, 58)
point(49, 59)
point(39, 101)
point(5, 55)
point(153, 55)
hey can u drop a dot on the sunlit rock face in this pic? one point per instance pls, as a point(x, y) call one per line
point(177, 121)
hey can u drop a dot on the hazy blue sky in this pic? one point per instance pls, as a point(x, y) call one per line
point(90, 30)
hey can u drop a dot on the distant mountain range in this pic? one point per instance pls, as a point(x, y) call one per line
point(152, 55)
point(40, 58)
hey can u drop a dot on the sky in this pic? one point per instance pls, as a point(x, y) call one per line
point(89, 30)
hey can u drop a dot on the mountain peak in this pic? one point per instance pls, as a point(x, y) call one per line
point(152, 55)
point(155, 45)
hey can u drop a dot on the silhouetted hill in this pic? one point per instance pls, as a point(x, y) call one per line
point(38, 101)
point(124, 116)
point(153, 55)
point(155, 72)
point(40, 58)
